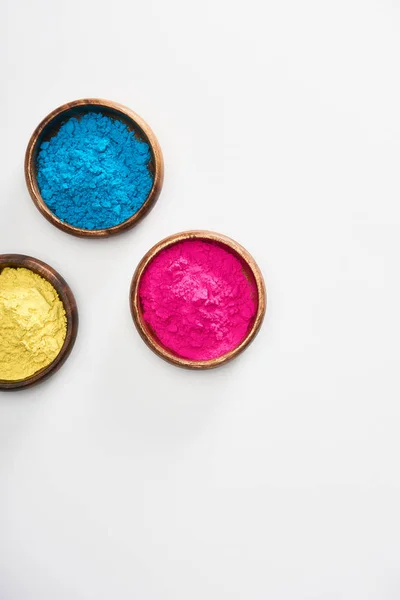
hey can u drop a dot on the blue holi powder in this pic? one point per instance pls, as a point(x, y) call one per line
point(94, 174)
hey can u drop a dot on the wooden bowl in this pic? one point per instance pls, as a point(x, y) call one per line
point(67, 298)
point(251, 270)
point(50, 126)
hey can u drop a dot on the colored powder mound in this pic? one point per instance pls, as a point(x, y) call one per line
point(197, 299)
point(33, 324)
point(94, 173)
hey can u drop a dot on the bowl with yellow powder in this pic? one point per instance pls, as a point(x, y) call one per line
point(94, 168)
point(38, 321)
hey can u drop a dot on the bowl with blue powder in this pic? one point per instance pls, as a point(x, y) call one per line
point(94, 168)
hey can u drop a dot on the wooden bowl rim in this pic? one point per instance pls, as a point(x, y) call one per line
point(31, 179)
point(69, 302)
point(142, 328)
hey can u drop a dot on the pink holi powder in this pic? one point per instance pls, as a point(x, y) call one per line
point(197, 299)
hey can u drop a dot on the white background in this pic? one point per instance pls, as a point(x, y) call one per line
point(276, 477)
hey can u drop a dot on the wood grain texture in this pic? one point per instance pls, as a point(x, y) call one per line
point(250, 268)
point(68, 300)
point(49, 127)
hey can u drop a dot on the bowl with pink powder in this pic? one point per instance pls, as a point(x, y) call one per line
point(198, 299)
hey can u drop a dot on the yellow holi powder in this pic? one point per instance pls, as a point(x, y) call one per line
point(33, 324)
